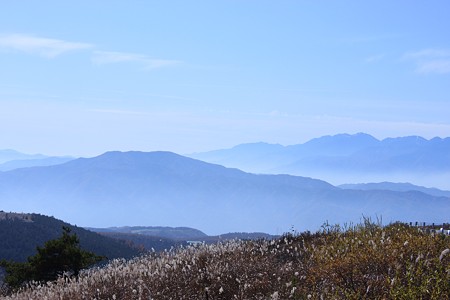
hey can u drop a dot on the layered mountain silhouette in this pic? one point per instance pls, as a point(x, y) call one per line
point(27, 163)
point(158, 238)
point(11, 159)
point(163, 188)
point(346, 158)
point(173, 233)
point(393, 186)
point(9, 155)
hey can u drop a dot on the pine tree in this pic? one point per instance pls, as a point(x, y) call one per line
point(55, 258)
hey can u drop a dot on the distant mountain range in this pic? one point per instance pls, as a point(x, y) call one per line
point(9, 154)
point(346, 158)
point(399, 187)
point(163, 188)
point(173, 233)
point(11, 159)
point(158, 238)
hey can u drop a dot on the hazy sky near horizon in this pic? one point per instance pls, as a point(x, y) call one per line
point(85, 77)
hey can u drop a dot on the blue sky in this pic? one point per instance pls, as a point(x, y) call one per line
point(84, 77)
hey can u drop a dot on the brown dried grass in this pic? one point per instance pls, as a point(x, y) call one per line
point(366, 261)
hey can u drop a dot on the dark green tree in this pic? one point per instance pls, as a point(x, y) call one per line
point(55, 258)
point(16, 274)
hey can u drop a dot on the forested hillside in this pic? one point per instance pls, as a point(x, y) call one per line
point(21, 233)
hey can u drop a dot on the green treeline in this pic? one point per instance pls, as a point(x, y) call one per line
point(20, 234)
point(62, 256)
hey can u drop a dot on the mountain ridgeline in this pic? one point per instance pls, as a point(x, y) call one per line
point(173, 233)
point(158, 238)
point(132, 188)
point(11, 159)
point(400, 187)
point(346, 158)
point(11, 155)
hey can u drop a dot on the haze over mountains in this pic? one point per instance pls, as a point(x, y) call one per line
point(346, 158)
point(11, 159)
point(400, 187)
point(163, 188)
point(10, 155)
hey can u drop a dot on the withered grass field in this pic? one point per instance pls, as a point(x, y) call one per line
point(365, 261)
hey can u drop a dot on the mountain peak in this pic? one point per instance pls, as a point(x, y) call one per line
point(347, 136)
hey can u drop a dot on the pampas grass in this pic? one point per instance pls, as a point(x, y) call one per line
point(365, 261)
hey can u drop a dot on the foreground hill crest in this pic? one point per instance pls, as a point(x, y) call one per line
point(5, 216)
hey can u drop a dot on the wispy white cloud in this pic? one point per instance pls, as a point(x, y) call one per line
point(119, 112)
point(374, 58)
point(441, 66)
point(427, 53)
point(50, 48)
point(41, 46)
point(108, 57)
point(430, 60)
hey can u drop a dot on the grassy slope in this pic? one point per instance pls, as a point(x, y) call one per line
point(362, 262)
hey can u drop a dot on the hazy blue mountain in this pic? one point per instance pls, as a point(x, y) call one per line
point(145, 242)
point(159, 238)
point(399, 187)
point(336, 145)
point(163, 188)
point(40, 162)
point(8, 155)
point(347, 158)
point(172, 236)
point(174, 233)
point(245, 156)
point(263, 157)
